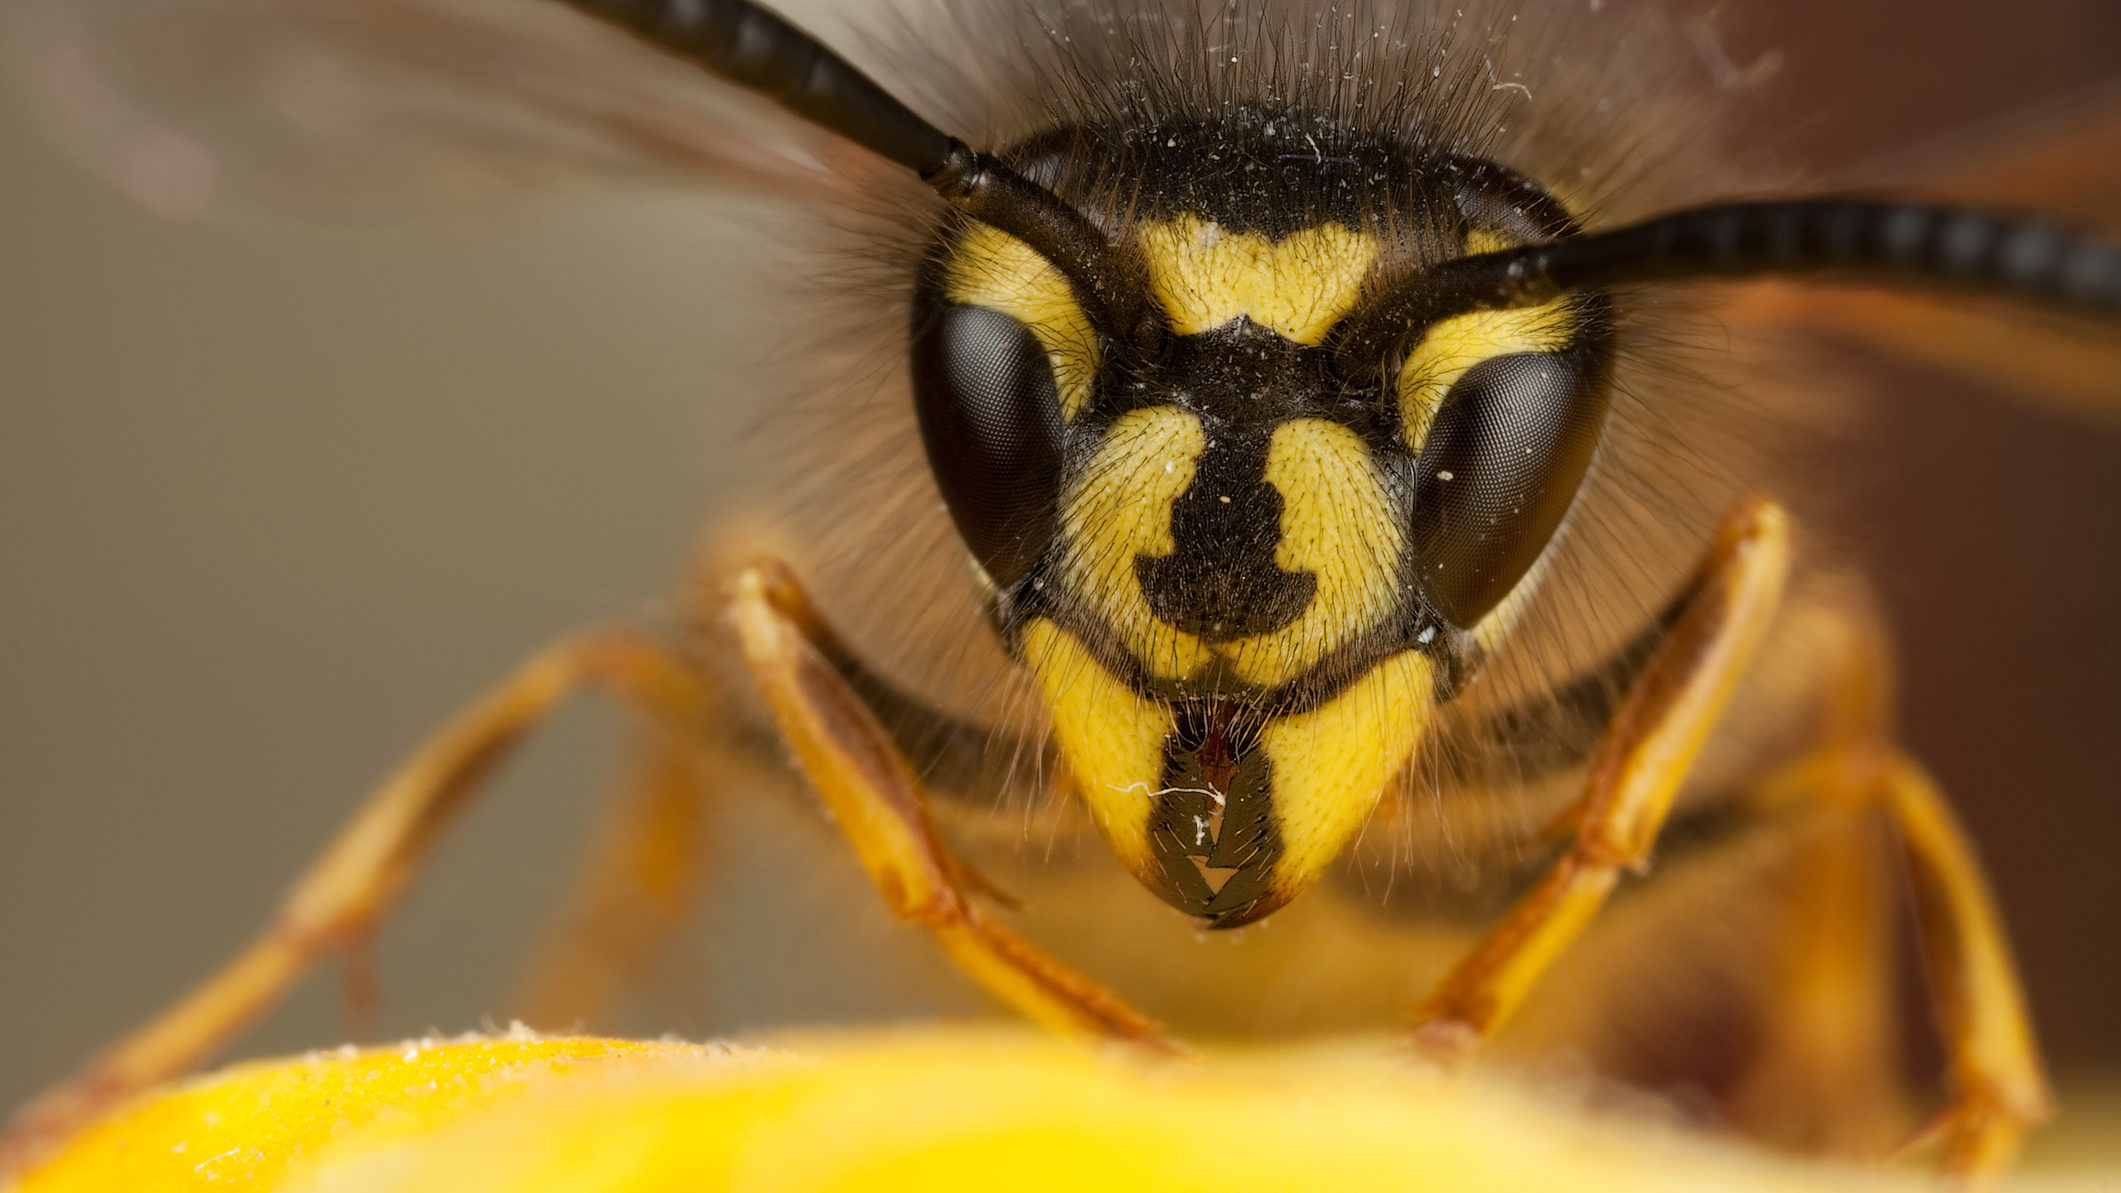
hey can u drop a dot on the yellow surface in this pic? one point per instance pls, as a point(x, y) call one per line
point(933, 1110)
point(1204, 276)
point(250, 1127)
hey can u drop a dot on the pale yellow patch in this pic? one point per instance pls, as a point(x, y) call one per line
point(1453, 346)
point(1205, 276)
point(1332, 763)
point(1112, 738)
point(1488, 240)
point(1119, 508)
point(1337, 524)
point(992, 269)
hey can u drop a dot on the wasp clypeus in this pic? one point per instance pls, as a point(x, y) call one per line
point(1328, 499)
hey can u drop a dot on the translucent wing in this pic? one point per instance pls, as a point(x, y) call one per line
point(370, 105)
point(2063, 158)
point(2068, 365)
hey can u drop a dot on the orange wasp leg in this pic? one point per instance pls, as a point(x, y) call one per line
point(871, 791)
point(1825, 1076)
point(1825, 1073)
point(1653, 741)
point(1995, 1081)
point(342, 895)
point(1996, 1085)
point(639, 883)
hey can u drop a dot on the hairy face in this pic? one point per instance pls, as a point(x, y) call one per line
point(1243, 562)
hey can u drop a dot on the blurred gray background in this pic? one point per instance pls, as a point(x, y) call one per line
point(274, 501)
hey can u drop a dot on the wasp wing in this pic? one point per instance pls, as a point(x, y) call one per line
point(363, 106)
point(2063, 158)
point(2069, 365)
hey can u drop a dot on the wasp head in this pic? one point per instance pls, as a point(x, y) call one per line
point(1245, 550)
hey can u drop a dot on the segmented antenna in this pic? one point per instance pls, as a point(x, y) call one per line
point(755, 48)
point(1907, 243)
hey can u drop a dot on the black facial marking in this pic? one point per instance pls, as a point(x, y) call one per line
point(1243, 382)
point(1221, 583)
point(1253, 168)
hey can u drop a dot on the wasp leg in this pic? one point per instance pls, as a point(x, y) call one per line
point(871, 791)
point(1996, 1086)
point(1995, 1081)
point(1824, 1074)
point(1657, 732)
point(342, 895)
point(636, 888)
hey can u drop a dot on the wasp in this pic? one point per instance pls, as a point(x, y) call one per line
point(1330, 499)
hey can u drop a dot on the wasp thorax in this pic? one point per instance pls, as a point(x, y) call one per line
point(1240, 560)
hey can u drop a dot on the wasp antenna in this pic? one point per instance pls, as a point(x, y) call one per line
point(760, 50)
point(1913, 244)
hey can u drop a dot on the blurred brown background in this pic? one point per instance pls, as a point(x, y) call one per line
point(274, 501)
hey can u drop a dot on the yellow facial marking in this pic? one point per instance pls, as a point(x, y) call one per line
point(1337, 524)
point(1204, 276)
point(1453, 346)
point(992, 269)
point(1113, 739)
point(1120, 507)
point(1330, 765)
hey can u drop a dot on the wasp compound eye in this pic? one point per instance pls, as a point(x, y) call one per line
point(990, 419)
point(1003, 355)
point(1502, 462)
